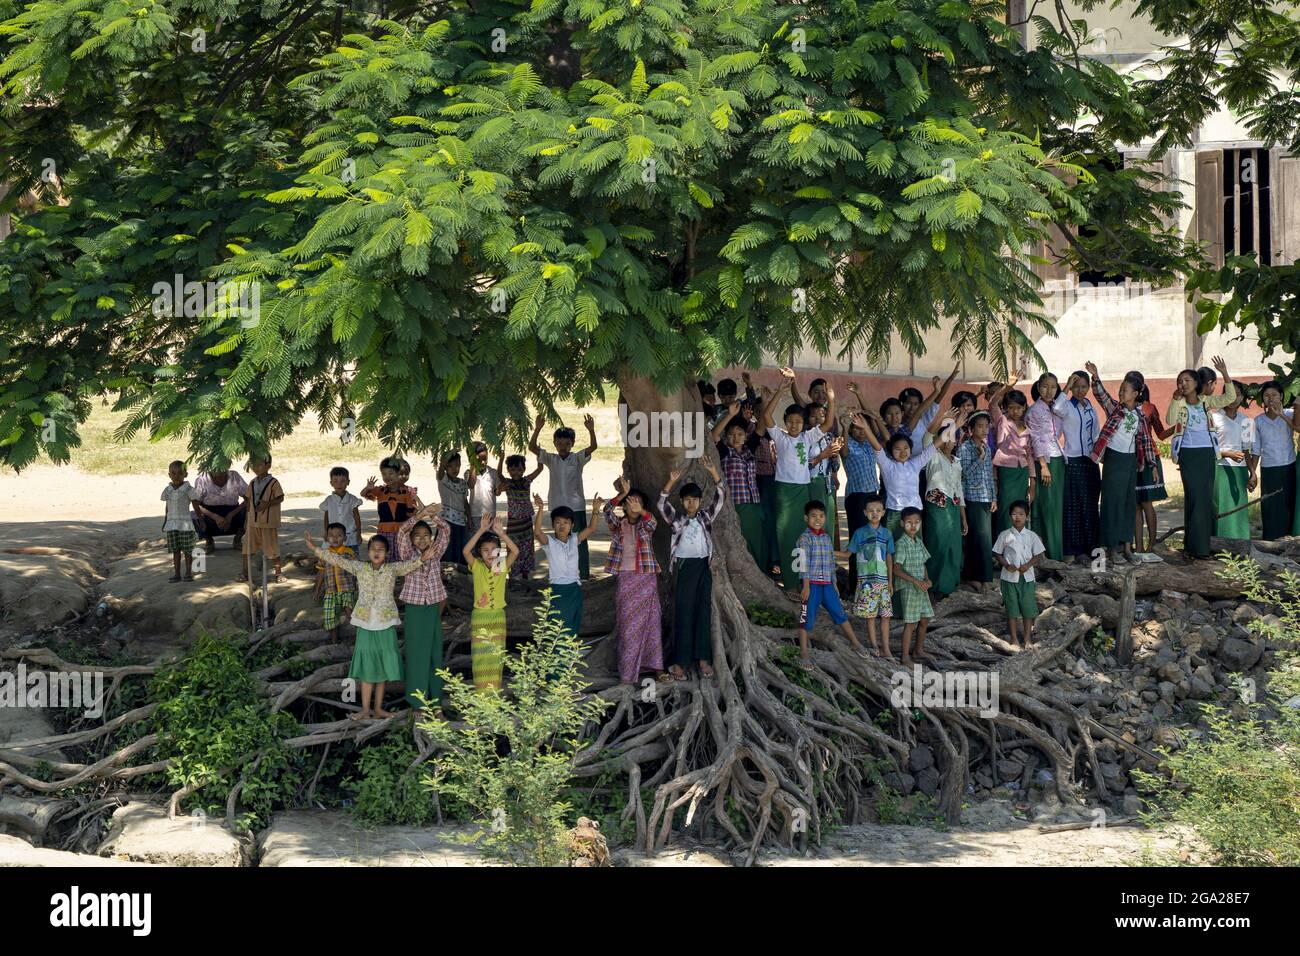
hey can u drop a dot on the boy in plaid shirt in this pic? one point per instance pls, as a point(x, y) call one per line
point(178, 526)
point(816, 560)
point(335, 588)
point(912, 583)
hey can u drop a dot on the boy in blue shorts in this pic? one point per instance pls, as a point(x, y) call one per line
point(817, 563)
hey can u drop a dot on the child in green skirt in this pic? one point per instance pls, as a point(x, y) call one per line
point(375, 660)
point(489, 568)
point(1018, 549)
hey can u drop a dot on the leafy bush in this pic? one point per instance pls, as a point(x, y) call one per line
point(1238, 788)
point(766, 617)
point(386, 787)
point(510, 757)
point(210, 718)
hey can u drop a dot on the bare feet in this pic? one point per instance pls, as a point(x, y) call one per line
point(381, 714)
point(676, 672)
point(706, 670)
point(360, 715)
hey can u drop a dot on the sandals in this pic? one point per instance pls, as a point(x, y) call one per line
point(174, 579)
point(188, 577)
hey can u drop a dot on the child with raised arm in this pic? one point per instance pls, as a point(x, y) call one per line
point(1013, 454)
point(375, 660)
point(423, 594)
point(1018, 549)
point(817, 557)
point(561, 547)
point(454, 492)
point(689, 555)
point(519, 511)
point(736, 450)
point(487, 621)
point(335, 588)
point(395, 499)
point(178, 525)
point(979, 500)
point(636, 602)
point(565, 466)
point(1123, 447)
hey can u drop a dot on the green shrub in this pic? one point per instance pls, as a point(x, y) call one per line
point(510, 756)
point(386, 788)
point(215, 729)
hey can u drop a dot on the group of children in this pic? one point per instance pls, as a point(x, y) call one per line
point(931, 500)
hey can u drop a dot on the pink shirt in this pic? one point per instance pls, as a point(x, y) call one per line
point(210, 493)
point(1044, 430)
point(1014, 449)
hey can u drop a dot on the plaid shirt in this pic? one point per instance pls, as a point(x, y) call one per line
point(424, 584)
point(764, 454)
point(679, 522)
point(645, 533)
point(819, 559)
point(859, 467)
point(977, 482)
point(337, 581)
point(1142, 443)
point(739, 471)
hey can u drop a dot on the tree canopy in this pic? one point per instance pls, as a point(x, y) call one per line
point(454, 211)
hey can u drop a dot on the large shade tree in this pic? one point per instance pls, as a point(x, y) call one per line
point(458, 213)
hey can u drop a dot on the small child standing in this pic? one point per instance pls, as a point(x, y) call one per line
point(455, 504)
point(519, 511)
point(262, 534)
point(910, 557)
point(872, 547)
point(636, 602)
point(566, 466)
point(342, 507)
point(487, 621)
point(396, 500)
point(178, 524)
point(818, 561)
point(689, 555)
point(336, 589)
point(1018, 549)
point(423, 593)
point(375, 660)
point(562, 560)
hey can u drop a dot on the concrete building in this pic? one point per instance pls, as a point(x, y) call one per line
point(1243, 197)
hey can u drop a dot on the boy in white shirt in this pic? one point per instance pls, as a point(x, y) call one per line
point(1017, 550)
point(562, 559)
point(342, 507)
point(178, 525)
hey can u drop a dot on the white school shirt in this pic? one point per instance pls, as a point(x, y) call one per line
point(818, 440)
point(562, 559)
point(923, 425)
point(693, 543)
point(944, 474)
point(1078, 424)
point(482, 498)
point(566, 480)
point(903, 478)
point(1124, 437)
point(791, 457)
point(341, 510)
point(1197, 432)
point(1018, 547)
point(1274, 441)
point(1235, 434)
point(178, 500)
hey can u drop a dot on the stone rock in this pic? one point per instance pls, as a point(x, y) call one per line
point(1244, 613)
point(333, 838)
point(920, 758)
point(1167, 690)
point(1162, 711)
point(1238, 655)
point(587, 845)
point(143, 833)
point(16, 852)
point(902, 783)
point(1211, 637)
point(1010, 769)
point(927, 781)
point(1170, 672)
point(1132, 804)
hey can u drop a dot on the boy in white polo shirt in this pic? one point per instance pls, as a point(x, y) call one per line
point(1018, 549)
point(562, 559)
